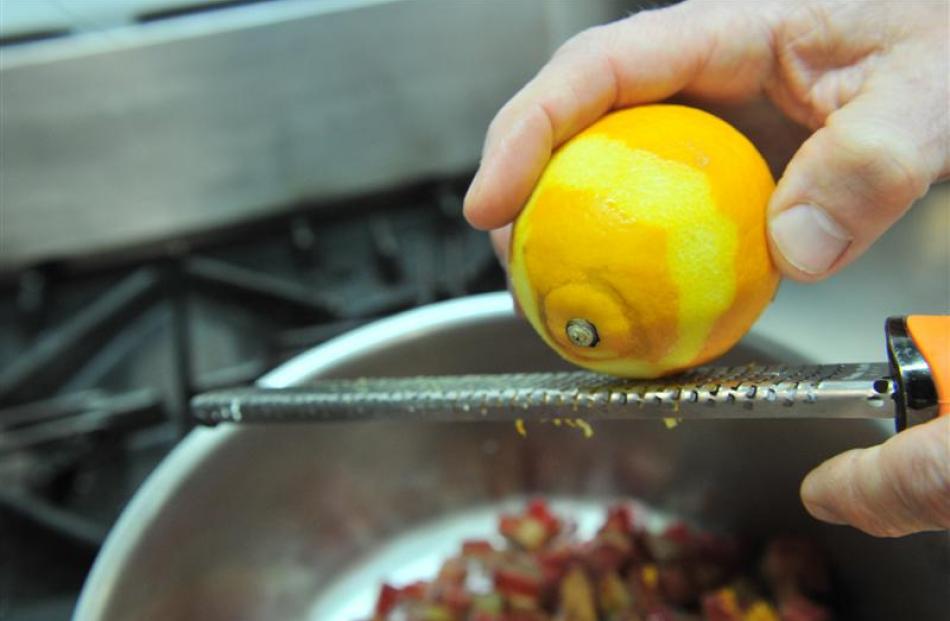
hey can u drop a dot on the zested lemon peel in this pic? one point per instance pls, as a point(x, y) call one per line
point(576, 423)
point(642, 250)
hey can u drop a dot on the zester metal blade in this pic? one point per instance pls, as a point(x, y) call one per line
point(826, 391)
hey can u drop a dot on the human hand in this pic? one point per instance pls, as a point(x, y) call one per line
point(868, 79)
point(897, 488)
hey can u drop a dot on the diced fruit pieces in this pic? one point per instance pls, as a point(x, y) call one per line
point(661, 613)
point(390, 597)
point(431, 612)
point(614, 595)
point(453, 571)
point(532, 529)
point(490, 603)
point(477, 548)
point(577, 597)
point(414, 591)
point(722, 605)
point(538, 509)
point(676, 585)
point(455, 597)
point(623, 573)
point(554, 561)
point(387, 600)
point(793, 565)
point(619, 519)
point(760, 611)
point(798, 608)
point(514, 580)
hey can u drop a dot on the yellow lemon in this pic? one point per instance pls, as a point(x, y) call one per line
point(642, 250)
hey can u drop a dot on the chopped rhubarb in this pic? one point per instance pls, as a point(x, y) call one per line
point(517, 581)
point(577, 597)
point(533, 529)
point(614, 595)
point(798, 608)
point(387, 600)
point(676, 585)
point(477, 548)
point(619, 519)
point(760, 611)
point(794, 565)
point(453, 571)
point(544, 571)
point(722, 605)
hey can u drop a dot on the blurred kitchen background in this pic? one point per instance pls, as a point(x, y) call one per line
point(193, 191)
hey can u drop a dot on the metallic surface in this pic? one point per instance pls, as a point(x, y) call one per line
point(917, 397)
point(746, 391)
point(582, 333)
point(117, 138)
point(275, 522)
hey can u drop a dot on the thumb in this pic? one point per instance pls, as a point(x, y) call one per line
point(897, 488)
point(849, 182)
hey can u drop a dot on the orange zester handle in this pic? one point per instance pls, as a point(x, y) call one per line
point(931, 335)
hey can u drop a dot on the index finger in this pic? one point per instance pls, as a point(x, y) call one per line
point(705, 49)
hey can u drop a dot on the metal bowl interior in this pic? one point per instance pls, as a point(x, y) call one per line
point(286, 522)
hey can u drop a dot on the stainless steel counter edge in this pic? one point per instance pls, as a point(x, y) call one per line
point(122, 137)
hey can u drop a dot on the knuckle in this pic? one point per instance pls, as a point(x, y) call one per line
point(878, 504)
point(570, 44)
point(885, 162)
point(921, 478)
point(817, 16)
point(505, 118)
point(581, 42)
point(593, 42)
point(876, 518)
point(494, 124)
point(913, 492)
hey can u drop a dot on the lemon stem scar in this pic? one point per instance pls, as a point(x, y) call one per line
point(582, 333)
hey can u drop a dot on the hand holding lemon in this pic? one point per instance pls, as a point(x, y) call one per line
point(643, 240)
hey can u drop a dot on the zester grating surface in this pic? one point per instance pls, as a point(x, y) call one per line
point(826, 391)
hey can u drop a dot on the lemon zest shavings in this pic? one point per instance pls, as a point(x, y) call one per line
point(585, 427)
point(519, 427)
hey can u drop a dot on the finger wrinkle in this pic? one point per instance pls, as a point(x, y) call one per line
point(921, 460)
point(507, 116)
point(587, 90)
point(549, 119)
point(701, 61)
point(883, 158)
point(613, 73)
point(853, 486)
point(859, 500)
point(564, 129)
point(831, 485)
point(604, 52)
point(885, 509)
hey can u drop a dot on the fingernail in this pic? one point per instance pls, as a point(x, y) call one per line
point(809, 238)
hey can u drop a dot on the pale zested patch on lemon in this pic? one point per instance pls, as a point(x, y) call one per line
point(642, 250)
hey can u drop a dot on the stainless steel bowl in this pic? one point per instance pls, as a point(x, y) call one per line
point(300, 522)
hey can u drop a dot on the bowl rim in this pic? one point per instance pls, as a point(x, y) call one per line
point(202, 443)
